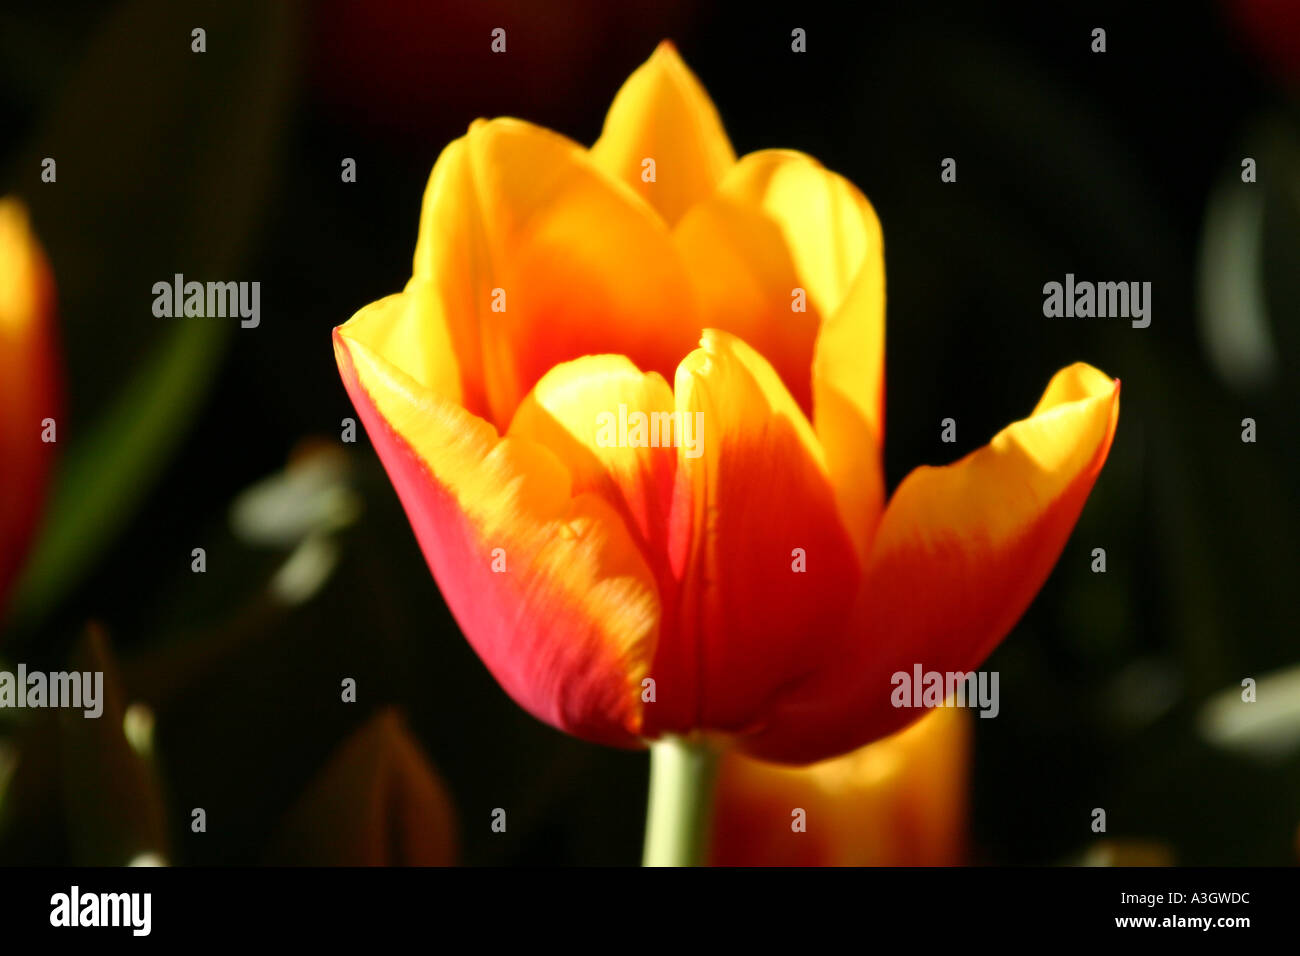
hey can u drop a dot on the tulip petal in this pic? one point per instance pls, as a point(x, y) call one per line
point(828, 226)
point(613, 427)
point(746, 281)
point(539, 257)
point(663, 113)
point(781, 220)
point(412, 329)
point(770, 568)
point(900, 801)
point(568, 623)
point(29, 390)
point(960, 553)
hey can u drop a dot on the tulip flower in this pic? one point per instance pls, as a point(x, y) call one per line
point(28, 386)
point(758, 591)
point(900, 801)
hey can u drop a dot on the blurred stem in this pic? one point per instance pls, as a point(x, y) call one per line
point(680, 807)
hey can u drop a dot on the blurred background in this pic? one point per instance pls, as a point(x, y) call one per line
point(1124, 165)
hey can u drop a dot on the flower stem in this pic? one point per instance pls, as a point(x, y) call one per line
point(681, 802)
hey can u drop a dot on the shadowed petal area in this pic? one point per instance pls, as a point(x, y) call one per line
point(663, 113)
point(770, 570)
point(547, 585)
point(538, 257)
point(960, 553)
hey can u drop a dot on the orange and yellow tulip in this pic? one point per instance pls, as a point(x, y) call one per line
point(29, 391)
point(900, 801)
point(758, 589)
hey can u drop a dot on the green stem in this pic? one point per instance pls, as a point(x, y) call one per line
point(681, 802)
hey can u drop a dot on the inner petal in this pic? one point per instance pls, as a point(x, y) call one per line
point(540, 258)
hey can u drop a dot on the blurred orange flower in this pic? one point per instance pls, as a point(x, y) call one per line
point(748, 580)
point(378, 801)
point(29, 390)
point(900, 801)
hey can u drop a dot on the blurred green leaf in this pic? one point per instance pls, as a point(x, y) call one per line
point(164, 166)
point(108, 470)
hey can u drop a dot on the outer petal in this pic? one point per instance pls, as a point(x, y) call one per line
point(29, 390)
point(411, 330)
point(761, 507)
point(569, 626)
point(960, 553)
point(900, 801)
point(663, 113)
point(780, 220)
point(539, 257)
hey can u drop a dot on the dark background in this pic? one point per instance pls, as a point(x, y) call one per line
point(227, 164)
